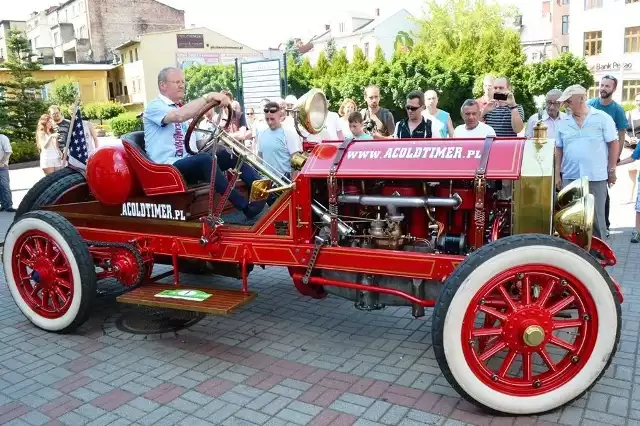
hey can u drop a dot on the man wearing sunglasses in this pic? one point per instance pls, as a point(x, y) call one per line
point(605, 103)
point(278, 142)
point(550, 115)
point(415, 125)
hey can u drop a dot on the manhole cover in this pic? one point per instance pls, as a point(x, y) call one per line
point(147, 320)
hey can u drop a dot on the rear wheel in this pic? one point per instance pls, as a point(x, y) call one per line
point(49, 271)
point(526, 324)
point(51, 189)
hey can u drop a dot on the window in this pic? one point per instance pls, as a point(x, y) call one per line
point(55, 39)
point(1, 52)
point(565, 1)
point(341, 26)
point(632, 40)
point(565, 24)
point(534, 56)
point(592, 4)
point(630, 89)
point(632, 1)
point(593, 91)
point(592, 43)
point(564, 49)
point(137, 57)
point(366, 50)
point(131, 56)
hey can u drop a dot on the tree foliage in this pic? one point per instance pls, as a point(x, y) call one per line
point(21, 103)
point(203, 79)
point(64, 91)
point(292, 50)
point(331, 48)
point(559, 73)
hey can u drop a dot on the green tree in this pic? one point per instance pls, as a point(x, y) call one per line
point(339, 63)
point(403, 42)
point(292, 50)
point(322, 64)
point(300, 77)
point(378, 56)
point(203, 79)
point(359, 61)
point(331, 48)
point(64, 91)
point(559, 73)
point(21, 104)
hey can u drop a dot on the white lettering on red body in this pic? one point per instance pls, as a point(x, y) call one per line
point(420, 152)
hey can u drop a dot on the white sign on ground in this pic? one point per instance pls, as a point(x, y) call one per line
point(260, 80)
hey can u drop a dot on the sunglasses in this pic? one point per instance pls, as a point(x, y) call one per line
point(412, 108)
point(271, 110)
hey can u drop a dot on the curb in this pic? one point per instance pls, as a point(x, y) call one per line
point(25, 165)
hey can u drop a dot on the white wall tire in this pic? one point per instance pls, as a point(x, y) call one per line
point(52, 307)
point(480, 268)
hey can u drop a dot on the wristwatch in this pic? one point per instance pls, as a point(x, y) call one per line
point(612, 170)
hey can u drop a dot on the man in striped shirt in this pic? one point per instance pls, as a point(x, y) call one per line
point(505, 116)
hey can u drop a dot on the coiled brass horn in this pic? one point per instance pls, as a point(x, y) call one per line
point(575, 221)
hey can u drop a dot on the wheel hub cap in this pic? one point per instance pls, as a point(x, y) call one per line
point(533, 335)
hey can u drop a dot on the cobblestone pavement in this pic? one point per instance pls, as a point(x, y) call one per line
point(283, 360)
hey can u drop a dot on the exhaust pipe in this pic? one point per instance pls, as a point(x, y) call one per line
point(382, 200)
point(343, 228)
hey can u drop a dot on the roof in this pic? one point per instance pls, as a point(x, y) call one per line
point(126, 44)
point(76, 67)
point(366, 28)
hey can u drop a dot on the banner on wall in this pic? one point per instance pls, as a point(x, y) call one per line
point(186, 59)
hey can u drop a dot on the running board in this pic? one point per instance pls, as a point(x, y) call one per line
point(187, 298)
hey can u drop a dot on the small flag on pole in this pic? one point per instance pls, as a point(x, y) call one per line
point(77, 147)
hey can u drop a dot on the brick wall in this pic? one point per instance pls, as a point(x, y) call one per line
point(114, 22)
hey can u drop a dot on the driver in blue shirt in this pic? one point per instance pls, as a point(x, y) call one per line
point(166, 121)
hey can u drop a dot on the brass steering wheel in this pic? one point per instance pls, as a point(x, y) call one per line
point(214, 134)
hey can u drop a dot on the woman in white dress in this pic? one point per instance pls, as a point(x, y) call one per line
point(47, 142)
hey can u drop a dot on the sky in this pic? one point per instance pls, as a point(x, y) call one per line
point(258, 24)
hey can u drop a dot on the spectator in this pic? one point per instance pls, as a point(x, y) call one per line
point(278, 143)
point(332, 130)
point(382, 117)
point(415, 125)
point(47, 142)
point(472, 127)
point(504, 116)
point(487, 95)
point(6, 200)
point(441, 120)
point(550, 115)
point(635, 236)
point(348, 106)
point(632, 138)
point(60, 126)
point(356, 126)
point(587, 145)
point(605, 103)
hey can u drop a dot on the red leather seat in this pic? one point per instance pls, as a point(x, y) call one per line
point(155, 179)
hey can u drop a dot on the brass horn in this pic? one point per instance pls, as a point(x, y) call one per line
point(574, 191)
point(575, 221)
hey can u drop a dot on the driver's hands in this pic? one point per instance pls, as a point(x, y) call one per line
point(221, 99)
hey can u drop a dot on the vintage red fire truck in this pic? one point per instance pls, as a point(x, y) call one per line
point(525, 316)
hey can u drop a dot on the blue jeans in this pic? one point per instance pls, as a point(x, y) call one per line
point(5, 189)
point(197, 168)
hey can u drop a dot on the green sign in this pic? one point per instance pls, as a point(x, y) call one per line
point(195, 295)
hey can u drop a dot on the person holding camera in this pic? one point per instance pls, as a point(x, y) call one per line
point(378, 122)
point(502, 113)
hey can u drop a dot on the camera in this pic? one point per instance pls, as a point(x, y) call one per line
point(369, 126)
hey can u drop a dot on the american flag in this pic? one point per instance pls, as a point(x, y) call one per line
point(77, 146)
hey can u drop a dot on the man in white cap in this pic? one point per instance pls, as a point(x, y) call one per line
point(586, 145)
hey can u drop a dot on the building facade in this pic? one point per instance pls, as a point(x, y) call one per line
point(143, 57)
point(5, 30)
point(544, 28)
point(84, 31)
point(356, 29)
point(607, 34)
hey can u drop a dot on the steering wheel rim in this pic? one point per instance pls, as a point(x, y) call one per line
point(192, 127)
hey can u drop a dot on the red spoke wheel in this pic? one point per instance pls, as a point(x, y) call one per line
point(526, 324)
point(49, 271)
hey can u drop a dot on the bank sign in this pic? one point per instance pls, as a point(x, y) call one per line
point(612, 66)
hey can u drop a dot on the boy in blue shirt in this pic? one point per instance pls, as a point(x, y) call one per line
point(356, 125)
point(635, 237)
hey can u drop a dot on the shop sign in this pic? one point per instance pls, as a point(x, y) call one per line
point(190, 41)
point(612, 66)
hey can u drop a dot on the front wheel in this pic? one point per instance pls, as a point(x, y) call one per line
point(526, 324)
point(49, 271)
